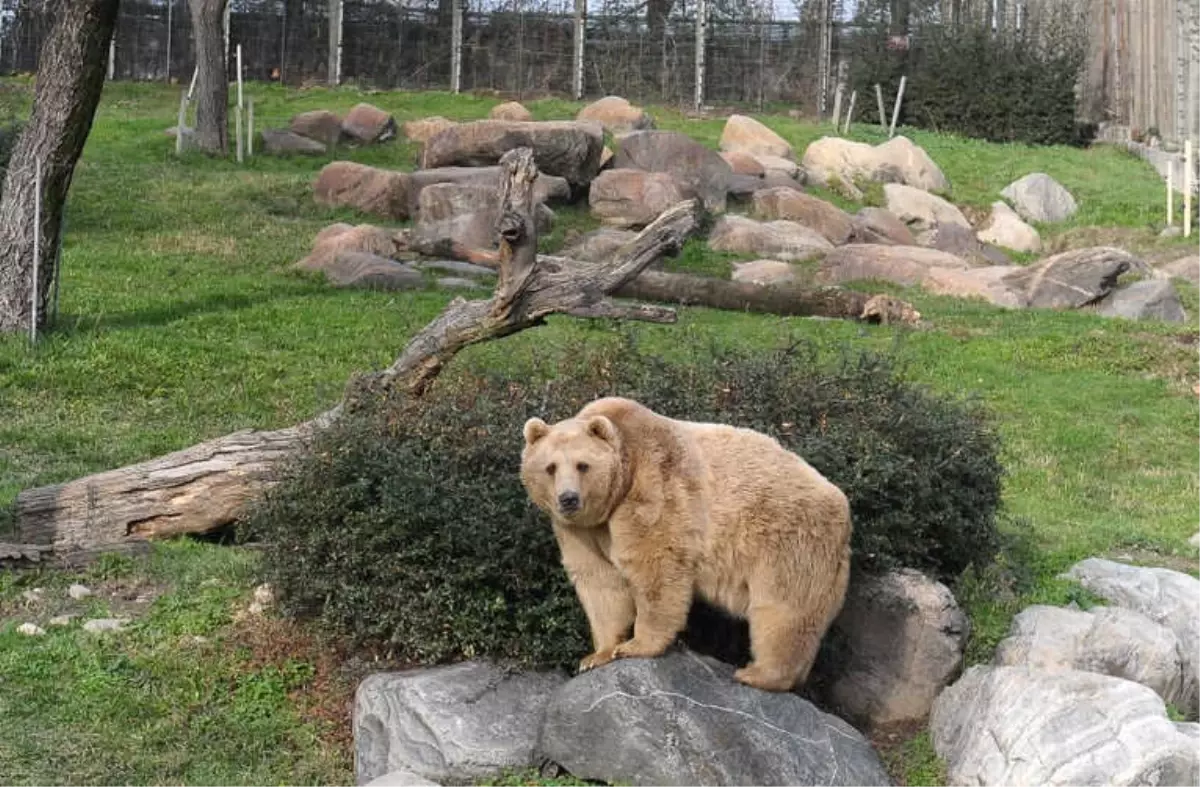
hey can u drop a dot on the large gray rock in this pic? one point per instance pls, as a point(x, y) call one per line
point(1152, 299)
point(897, 643)
point(698, 169)
point(921, 211)
point(986, 283)
point(834, 159)
point(793, 205)
point(1108, 640)
point(1039, 197)
point(564, 148)
point(1073, 278)
point(320, 124)
point(901, 156)
point(1005, 228)
point(782, 240)
point(364, 271)
point(1171, 598)
point(368, 124)
point(616, 115)
point(401, 778)
point(879, 225)
point(282, 142)
point(682, 719)
point(633, 198)
point(449, 724)
point(549, 189)
point(465, 214)
point(747, 135)
point(904, 265)
point(1015, 725)
point(380, 192)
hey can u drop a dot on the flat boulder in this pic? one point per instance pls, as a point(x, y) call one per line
point(743, 164)
point(633, 198)
point(921, 211)
point(747, 135)
point(379, 192)
point(510, 110)
point(777, 166)
point(986, 283)
point(793, 205)
point(898, 641)
point(764, 272)
point(616, 115)
point(1039, 197)
point(342, 237)
point(698, 169)
point(421, 130)
point(365, 271)
point(1151, 299)
point(1108, 640)
point(783, 240)
point(568, 149)
point(281, 142)
point(320, 125)
point(456, 724)
point(367, 124)
point(879, 225)
point(834, 160)
point(1073, 278)
point(903, 265)
point(681, 719)
point(900, 157)
point(1018, 725)
point(1005, 228)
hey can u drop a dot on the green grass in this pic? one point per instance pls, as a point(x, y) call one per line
point(180, 322)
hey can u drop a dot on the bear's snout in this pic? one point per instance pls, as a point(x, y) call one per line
point(569, 502)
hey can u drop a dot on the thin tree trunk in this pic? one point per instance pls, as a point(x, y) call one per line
point(212, 80)
point(70, 79)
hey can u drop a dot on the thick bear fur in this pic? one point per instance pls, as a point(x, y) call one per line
point(649, 511)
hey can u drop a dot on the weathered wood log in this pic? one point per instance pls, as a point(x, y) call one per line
point(206, 487)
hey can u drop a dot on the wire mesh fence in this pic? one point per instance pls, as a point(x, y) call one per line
point(520, 47)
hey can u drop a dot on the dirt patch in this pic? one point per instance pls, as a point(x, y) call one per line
point(125, 598)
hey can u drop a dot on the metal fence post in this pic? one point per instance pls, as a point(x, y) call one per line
point(456, 36)
point(701, 45)
point(577, 70)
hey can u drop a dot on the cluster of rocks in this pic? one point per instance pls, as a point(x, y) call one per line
point(37, 598)
point(678, 719)
point(320, 131)
point(1079, 697)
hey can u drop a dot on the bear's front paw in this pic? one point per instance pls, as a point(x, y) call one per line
point(635, 649)
point(597, 659)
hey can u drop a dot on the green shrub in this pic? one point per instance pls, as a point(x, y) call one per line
point(1013, 86)
point(408, 525)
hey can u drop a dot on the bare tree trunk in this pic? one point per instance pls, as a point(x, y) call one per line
point(70, 79)
point(212, 79)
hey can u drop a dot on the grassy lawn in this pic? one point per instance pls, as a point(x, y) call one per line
point(179, 322)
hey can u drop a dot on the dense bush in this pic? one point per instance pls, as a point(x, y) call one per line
point(408, 525)
point(1014, 86)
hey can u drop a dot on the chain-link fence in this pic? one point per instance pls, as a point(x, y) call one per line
point(523, 48)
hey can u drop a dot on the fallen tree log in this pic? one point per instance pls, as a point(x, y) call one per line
point(206, 487)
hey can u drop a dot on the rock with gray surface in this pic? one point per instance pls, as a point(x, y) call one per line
point(1152, 299)
point(681, 719)
point(1108, 640)
point(633, 198)
point(465, 214)
point(567, 149)
point(1171, 598)
point(904, 265)
point(401, 778)
point(897, 643)
point(452, 724)
point(1074, 278)
point(879, 225)
point(598, 245)
point(1005, 228)
point(921, 211)
point(782, 240)
point(1017, 725)
point(1039, 197)
point(281, 141)
point(699, 170)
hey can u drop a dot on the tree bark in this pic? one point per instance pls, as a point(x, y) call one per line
point(206, 487)
point(212, 79)
point(70, 78)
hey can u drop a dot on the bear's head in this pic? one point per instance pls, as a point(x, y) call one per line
point(573, 469)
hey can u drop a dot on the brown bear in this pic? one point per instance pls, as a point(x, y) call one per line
point(649, 510)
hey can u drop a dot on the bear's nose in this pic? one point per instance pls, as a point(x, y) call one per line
point(569, 502)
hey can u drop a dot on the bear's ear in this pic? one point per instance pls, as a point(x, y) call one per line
point(599, 426)
point(535, 429)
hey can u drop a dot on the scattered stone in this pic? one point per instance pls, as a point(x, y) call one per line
point(1151, 299)
point(897, 643)
point(369, 124)
point(1006, 229)
point(31, 630)
point(320, 125)
point(698, 169)
point(1108, 640)
point(401, 778)
point(421, 130)
point(1173, 231)
point(903, 265)
point(921, 211)
point(632, 198)
point(616, 115)
point(79, 592)
point(747, 135)
point(986, 283)
point(681, 719)
point(104, 625)
point(278, 141)
point(33, 596)
point(879, 225)
point(793, 205)
point(568, 149)
point(1171, 598)
point(1015, 725)
point(910, 164)
point(1184, 268)
point(378, 192)
point(1073, 278)
point(1039, 197)
point(511, 110)
point(58, 621)
point(763, 272)
point(598, 245)
point(784, 240)
point(743, 163)
point(777, 166)
point(453, 724)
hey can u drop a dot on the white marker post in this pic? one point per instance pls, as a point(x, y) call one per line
point(238, 113)
point(896, 109)
point(837, 107)
point(1187, 189)
point(37, 248)
point(1171, 194)
point(183, 102)
point(250, 130)
point(882, 112)
point(850, 111)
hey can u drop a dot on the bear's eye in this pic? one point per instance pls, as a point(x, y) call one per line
point(582, 467)
point(551, 468)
